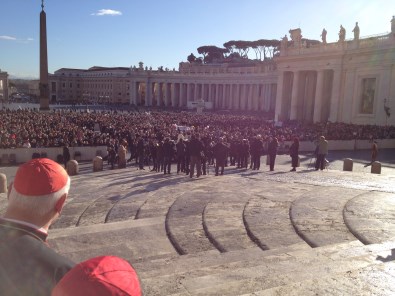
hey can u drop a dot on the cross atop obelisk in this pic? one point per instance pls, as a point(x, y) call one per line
point(44, 89)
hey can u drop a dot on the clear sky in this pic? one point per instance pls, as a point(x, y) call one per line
point(86, 33)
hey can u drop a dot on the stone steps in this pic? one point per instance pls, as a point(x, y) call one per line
point(318, 216)
point(203, 217)
point(141, 239)
point(230, 277)
point(185, 264)
point(224, 223)
point(362, 281)
point(375, 223)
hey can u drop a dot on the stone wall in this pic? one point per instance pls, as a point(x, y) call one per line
point(24, 154)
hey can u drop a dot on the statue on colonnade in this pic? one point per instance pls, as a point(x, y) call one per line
point(342, 34)
point(323, 36)
point(356, 31)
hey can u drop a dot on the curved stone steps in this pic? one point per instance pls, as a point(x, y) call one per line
point(362, 281)
point(318, 216)
point(209, 261)
point(159, 202)
point(141, 240)
point(184, 224)
point(268, 223)
point(75, 209)
point(223, 222)
point(97, 211)
point(263, 273)
point(128, 206)
point(370, 216)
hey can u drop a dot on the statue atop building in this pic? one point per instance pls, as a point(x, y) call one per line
point(393, 25)
point(323, 36)
point(284, 42)
point(342, 34)
point(356, 31)
point(296, 36)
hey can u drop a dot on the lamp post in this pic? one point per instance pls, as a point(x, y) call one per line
point(355, 140)
point(387, 111)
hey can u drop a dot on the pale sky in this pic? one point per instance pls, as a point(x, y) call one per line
point(121, 33)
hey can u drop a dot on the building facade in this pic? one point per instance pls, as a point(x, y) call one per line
point(350, 81)
point(97, 85)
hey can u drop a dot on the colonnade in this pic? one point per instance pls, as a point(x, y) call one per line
point(306, 95)
point(230, 96)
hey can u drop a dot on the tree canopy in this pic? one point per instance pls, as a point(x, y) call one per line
point(211, 53)
point(236, 50)
point(265, 48)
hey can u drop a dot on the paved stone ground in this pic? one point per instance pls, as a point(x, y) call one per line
point(245, 233)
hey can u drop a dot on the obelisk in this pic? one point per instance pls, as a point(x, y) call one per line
point(44, 89)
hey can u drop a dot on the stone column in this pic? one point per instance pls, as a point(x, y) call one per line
point(256, 97)
point(148, 93)
point(132, 99)
point(5, 90)
point(182, 94)
point(216, 102)
point(160, 98)
point(137, 93)
point(166, 94)
point(209, 93)
point(188, 92)
point(44, 87)
point(237, 97)
point(279, 97)
point(177, 87)
point(294, 97)
point(244, 98)
point(333, 116)
point(195, 95)
point(318, 96)
point(224, 96)
point(231, 96)
point(173, 94)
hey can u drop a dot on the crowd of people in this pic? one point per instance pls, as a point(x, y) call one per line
point(193, 141)
point(30, 128)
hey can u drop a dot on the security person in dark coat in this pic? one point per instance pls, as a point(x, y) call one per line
point(187, 156)
point(272, 151)
point(239, 153)
point(169, 150)
point(180, 146)
point(28, 266)
point(233, 151)
point(256, 152)
point(195, 151)
point(220, 153)
point(245, 153)
point(66, 155)
point(140, 150)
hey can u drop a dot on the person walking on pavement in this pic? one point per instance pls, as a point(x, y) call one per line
point(322, 151)
point(195, 152)
point(294, 153)
point(220, 152)
point(272, 151)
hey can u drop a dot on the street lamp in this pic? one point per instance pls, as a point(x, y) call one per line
point(387, 111)
point(355, 140)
